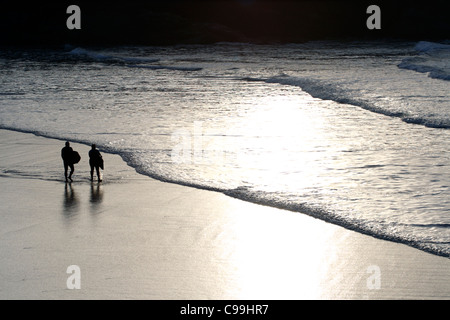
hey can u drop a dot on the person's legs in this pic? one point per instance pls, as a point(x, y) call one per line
point(72, 169)
point(92, 172)
point(66, 167)
point(98, 173)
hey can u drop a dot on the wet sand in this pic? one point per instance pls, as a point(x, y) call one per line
point(133, 237)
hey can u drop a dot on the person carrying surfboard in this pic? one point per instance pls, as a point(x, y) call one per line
point(67, 156)
point(95, 161)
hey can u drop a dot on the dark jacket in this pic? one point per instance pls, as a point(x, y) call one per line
point(95, 158)
point(66, 154)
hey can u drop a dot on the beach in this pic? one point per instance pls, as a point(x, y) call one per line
point(133, 237)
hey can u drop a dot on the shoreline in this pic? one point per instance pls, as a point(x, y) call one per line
point(280, 206)
point(134, 237)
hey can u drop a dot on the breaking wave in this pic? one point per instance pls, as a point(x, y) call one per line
point(98, 56)
point(434, 59)
point(328, 91)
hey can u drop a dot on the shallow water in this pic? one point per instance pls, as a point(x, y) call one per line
point(352, 133)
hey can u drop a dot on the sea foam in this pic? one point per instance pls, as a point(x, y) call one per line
point(330, 91)
point(433, 59)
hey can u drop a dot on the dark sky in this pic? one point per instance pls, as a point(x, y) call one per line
point(187, 21)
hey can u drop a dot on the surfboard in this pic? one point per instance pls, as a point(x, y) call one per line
point(75, 157)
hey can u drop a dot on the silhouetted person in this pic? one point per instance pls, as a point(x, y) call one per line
point(66, 155)
point(95, 161)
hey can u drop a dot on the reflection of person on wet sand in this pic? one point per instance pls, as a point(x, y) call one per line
point(95, 161)
point(70, 198)
point(71, 204)
point(96, 194)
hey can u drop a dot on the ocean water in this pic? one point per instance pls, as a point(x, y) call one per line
point(354, 133)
